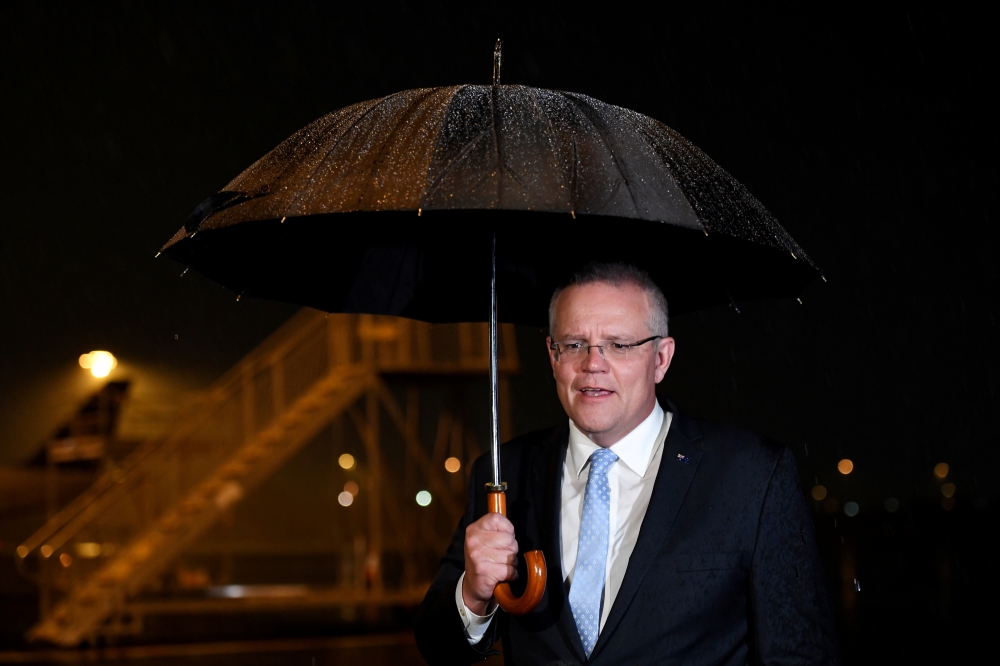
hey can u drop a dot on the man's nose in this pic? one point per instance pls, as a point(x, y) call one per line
point(595, 360)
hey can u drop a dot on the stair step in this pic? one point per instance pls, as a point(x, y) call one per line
point(145, 549)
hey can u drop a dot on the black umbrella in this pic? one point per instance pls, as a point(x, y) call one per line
point(413, 204)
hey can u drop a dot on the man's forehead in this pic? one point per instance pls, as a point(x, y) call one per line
point(595, 295)
point(622, 308)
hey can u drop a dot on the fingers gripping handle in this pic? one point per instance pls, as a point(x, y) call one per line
point(537, 573)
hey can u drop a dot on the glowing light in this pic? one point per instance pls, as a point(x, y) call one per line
point(423, 498)
point(948, 490)
point(346, 460)
point(851, 509)
point(100, 363)
point(941, 470)
point(351, 487)
point(453, 464)
point(259, 591)
point(345, 498)
point(892, 505)
point(46, 550)
point(819, 493)
point(66, 559)
point(845, 466)
point(22, 551)
point(88, 550)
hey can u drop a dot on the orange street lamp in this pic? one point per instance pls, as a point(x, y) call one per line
point(100, 363)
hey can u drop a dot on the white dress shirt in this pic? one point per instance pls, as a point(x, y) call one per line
point(631, 480)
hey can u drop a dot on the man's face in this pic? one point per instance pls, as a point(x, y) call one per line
point(607, 397)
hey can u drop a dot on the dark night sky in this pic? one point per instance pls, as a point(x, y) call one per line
point(870, 135)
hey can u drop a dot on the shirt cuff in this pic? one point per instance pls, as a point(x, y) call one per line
point(475, 625)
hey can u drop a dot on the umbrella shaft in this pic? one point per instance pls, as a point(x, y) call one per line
point(494, 397)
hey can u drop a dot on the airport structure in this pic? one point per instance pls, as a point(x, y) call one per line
point(148, 537)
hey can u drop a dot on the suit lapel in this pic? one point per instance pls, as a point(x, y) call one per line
point(548, 485)
point(671, 485)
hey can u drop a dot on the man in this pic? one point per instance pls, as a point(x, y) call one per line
point(667, 539)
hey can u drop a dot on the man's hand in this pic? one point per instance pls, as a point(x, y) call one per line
point(490, 558)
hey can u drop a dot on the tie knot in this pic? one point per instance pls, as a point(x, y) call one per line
point(601, 460)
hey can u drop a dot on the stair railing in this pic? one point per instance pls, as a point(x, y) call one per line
point(157, 475)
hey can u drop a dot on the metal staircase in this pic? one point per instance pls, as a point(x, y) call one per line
point(99, 552)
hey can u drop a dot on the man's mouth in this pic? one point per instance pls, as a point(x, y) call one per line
point(594, 391)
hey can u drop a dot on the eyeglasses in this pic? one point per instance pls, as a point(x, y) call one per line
point(569, 352)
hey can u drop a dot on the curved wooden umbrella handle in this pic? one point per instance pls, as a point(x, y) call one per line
point(537, 573)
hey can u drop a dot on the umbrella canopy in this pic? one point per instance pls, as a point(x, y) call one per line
point(388, 207)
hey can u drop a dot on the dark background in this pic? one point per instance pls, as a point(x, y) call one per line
point(870, 134)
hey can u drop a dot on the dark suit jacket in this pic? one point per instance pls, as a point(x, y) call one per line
point(725, 569)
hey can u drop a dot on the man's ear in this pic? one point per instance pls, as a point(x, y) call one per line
point(664, 354)
point(548, 350)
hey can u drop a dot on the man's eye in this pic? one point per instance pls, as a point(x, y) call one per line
point(573, 346)
point(618, 345)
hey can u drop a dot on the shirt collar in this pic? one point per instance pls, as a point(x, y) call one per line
point(634, 449)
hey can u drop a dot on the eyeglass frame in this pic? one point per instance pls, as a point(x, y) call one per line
point(555, 347)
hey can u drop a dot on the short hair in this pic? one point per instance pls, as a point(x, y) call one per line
point(619, 275)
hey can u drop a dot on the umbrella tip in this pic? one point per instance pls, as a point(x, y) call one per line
point(497, 58)
point(157, 255)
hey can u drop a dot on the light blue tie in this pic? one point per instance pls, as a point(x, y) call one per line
point(587, 587)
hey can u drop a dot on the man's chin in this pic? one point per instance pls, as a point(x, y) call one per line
point(593, 424)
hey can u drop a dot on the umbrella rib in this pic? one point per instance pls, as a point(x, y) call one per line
point(576, 159)
point(428, 186)
point(496, 143)
point(291, 162)
point(336, 143)
point(552, 148)
point(409, 112)
point(664, 158)
point(455, 161)
point(716, 174)
point(614, 158)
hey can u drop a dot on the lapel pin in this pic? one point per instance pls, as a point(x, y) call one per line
point(683, 458)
